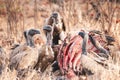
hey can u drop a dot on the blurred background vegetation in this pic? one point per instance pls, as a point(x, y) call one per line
point(18, 15)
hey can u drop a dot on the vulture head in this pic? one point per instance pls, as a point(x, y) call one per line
point(28, 34)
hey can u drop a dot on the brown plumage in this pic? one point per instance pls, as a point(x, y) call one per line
point(25, 59)
point(58, 25)
point(46, 57)
point(25, 55)
point(58, 30)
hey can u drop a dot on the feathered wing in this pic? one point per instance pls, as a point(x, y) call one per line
point(29, 59)
point(18, 50)
point(46, 57)
point(25, 59)
point(14, 61)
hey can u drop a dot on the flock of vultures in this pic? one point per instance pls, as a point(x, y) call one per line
point(69, 54)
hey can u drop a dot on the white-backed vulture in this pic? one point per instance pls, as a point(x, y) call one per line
point(55, 21)
point(25, 55)
point(70, 57)
point(46, 56)
point(59, 28)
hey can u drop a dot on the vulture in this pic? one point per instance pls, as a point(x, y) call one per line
point(26, 55)
point(55, 21)
point(46, 56)
point(73, 55)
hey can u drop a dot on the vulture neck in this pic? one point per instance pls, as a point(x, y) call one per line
point(30, 41)
point(49, 38)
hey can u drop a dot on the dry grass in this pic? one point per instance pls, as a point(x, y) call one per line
point(71, 12)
